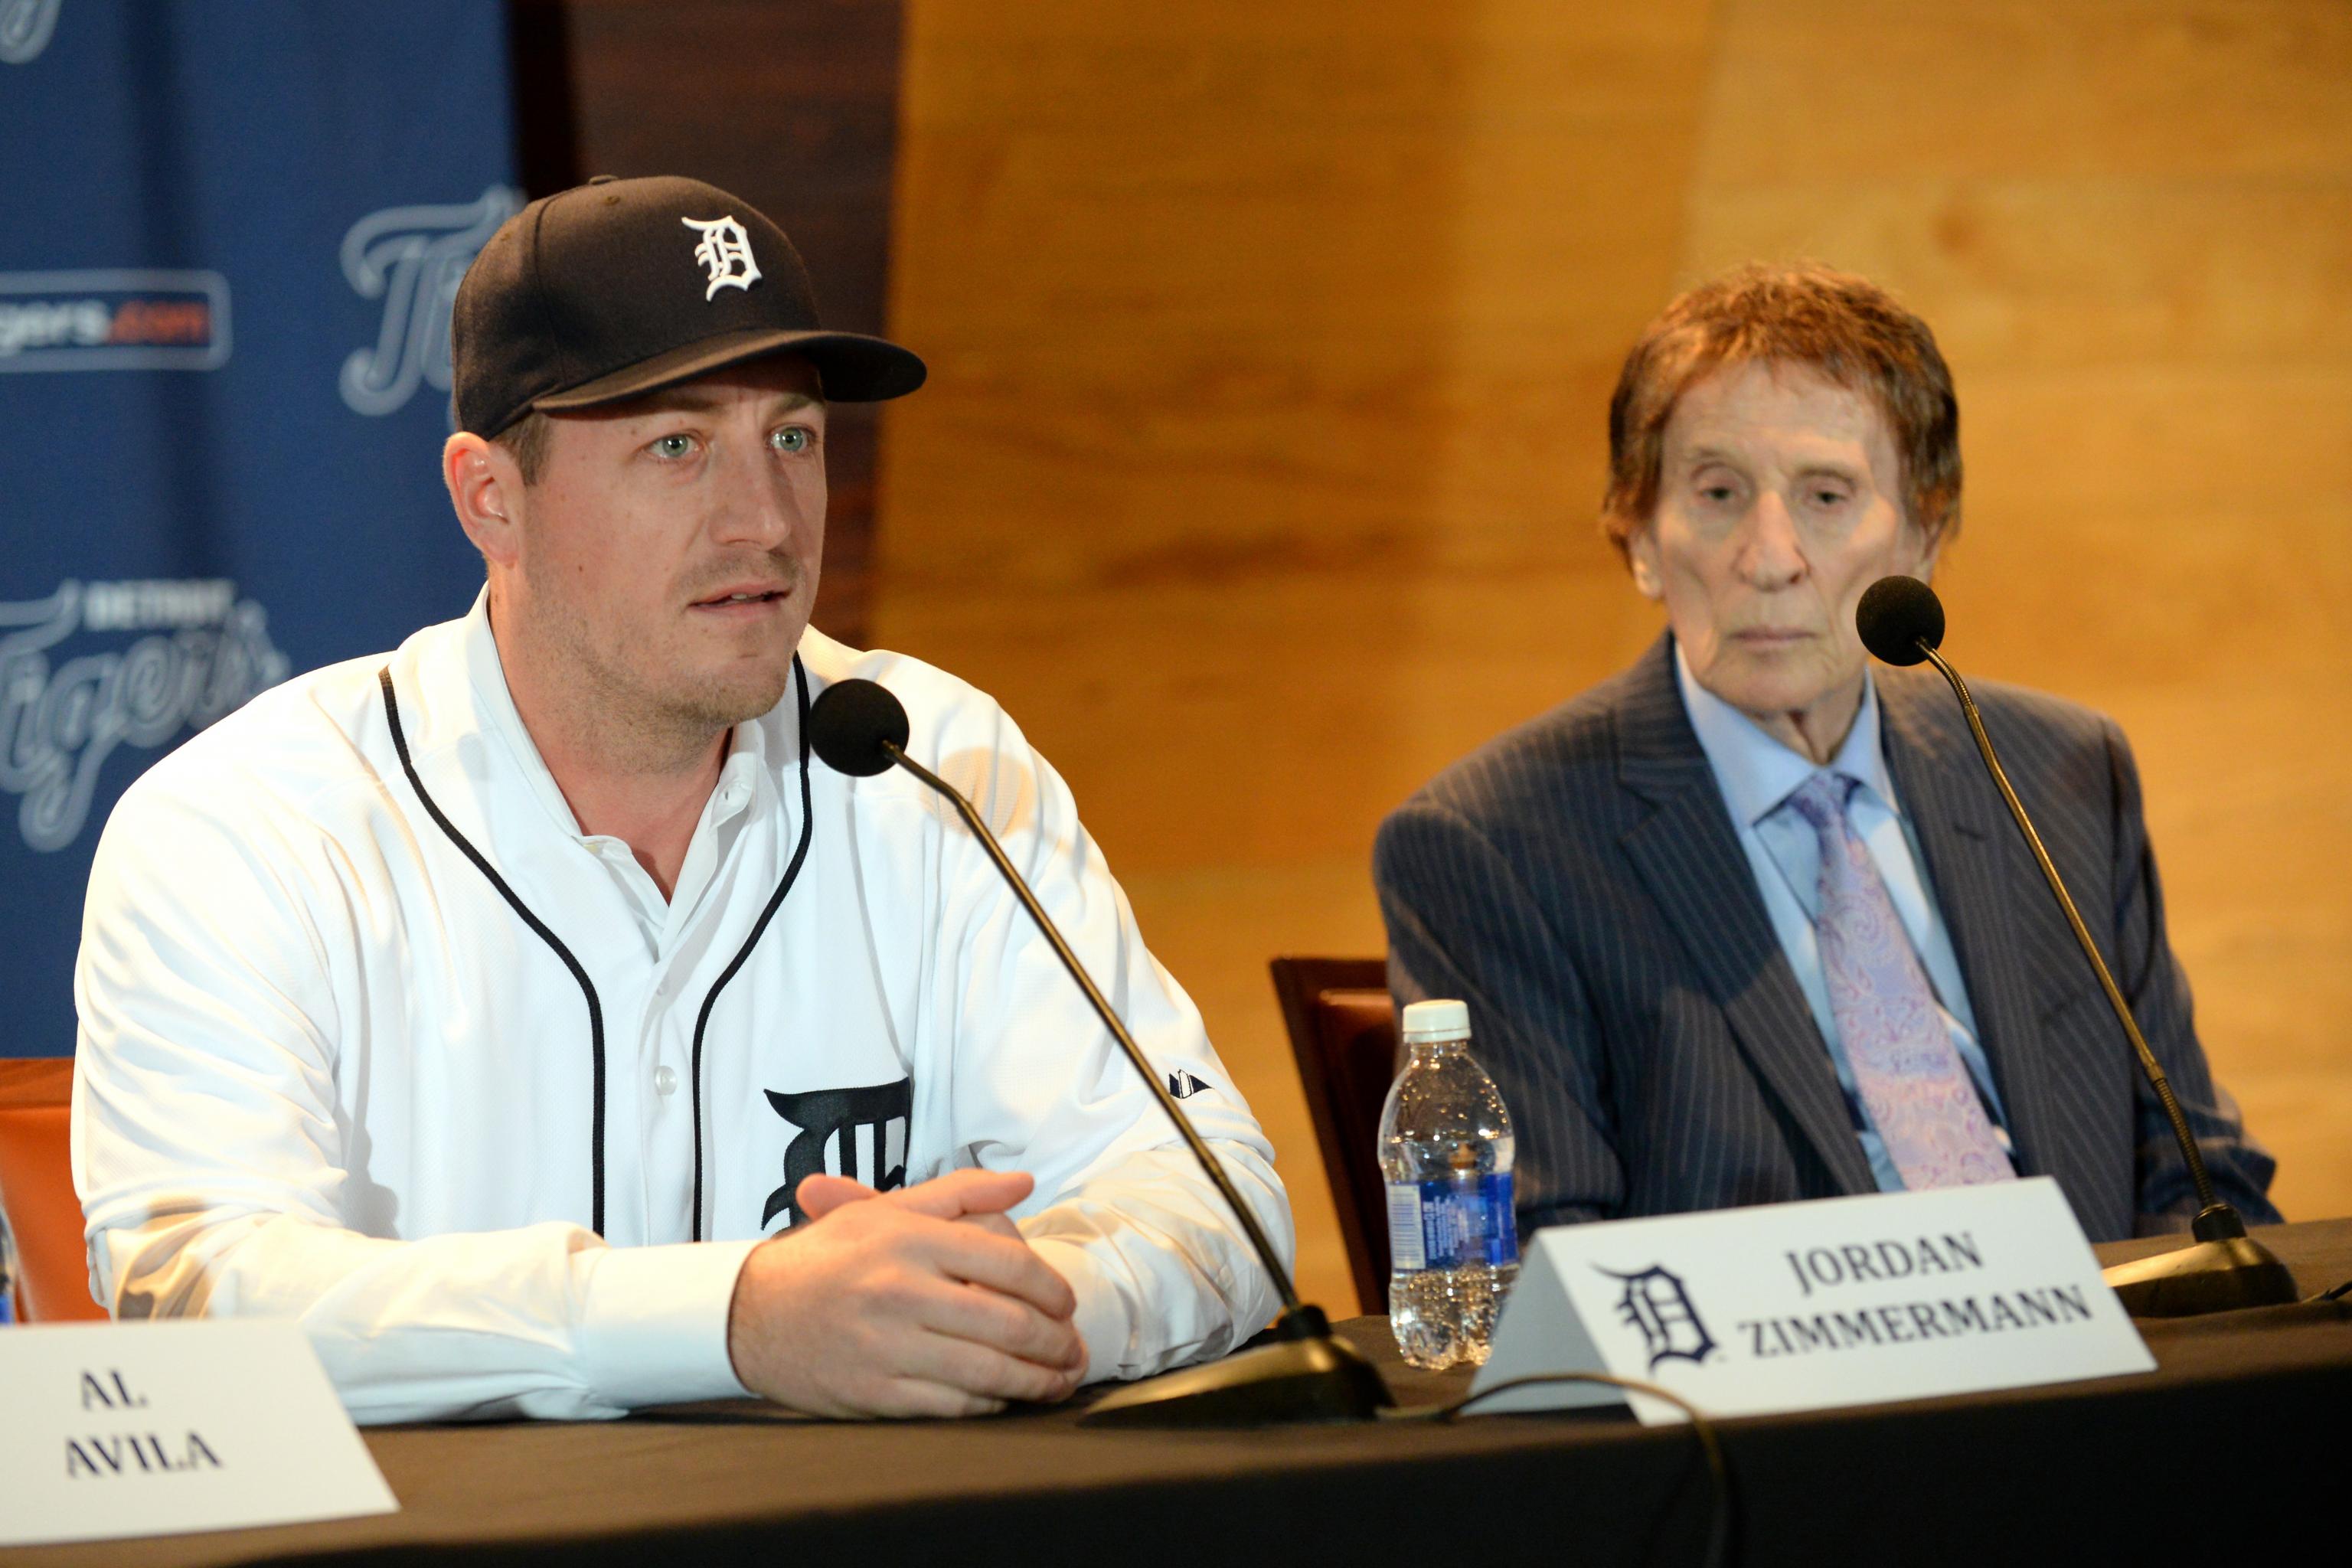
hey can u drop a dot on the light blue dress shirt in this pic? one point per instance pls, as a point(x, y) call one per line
point(1755, 775)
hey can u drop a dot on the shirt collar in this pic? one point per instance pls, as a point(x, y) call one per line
point(737, 777)
point(1757, 772)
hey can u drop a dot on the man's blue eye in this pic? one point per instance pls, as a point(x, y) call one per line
point(674, 446)
point(792, 438)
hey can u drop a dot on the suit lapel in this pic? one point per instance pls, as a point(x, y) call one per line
point(1966, 840)
point(1690, 859)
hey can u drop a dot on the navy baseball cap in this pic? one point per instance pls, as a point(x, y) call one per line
point(617, 287)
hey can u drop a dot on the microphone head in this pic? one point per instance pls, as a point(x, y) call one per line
point(1896, 617)
point(849, 724)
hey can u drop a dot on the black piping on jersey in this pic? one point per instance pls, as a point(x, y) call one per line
point(775, 902)
point(587, 988)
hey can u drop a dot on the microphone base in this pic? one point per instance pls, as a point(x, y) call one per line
point(2224, 1270)
point(1303, 1376)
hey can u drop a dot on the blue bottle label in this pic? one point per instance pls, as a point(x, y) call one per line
point(1446, 1223)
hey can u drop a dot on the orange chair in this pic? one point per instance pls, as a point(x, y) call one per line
point(36, 1191)
point(1343, 1031)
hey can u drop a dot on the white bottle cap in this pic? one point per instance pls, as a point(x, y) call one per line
point(1437, 1021)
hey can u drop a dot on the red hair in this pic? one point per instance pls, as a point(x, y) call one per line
point(1845, 329)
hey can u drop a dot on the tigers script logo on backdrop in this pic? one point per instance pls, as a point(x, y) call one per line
point(24, 29)
point(67, 700)
point(412, 258)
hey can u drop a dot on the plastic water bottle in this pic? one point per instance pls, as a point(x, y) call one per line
point(1445, 1151)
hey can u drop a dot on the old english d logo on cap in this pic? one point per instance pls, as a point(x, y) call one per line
point(725, 252)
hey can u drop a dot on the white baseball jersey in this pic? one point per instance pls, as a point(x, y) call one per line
point(329, 1069)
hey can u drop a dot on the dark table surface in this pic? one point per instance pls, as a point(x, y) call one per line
point(2224, 1447)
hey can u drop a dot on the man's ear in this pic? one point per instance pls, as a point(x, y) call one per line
point(1641, 555)
point(486, 490)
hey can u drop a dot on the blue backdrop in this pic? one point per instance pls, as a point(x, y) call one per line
point(230, 233)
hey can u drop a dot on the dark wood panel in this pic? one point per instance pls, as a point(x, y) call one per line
point(792, 105)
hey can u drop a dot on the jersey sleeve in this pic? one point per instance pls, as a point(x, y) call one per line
point(213, 1157)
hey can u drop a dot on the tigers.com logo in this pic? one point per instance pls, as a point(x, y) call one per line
point(113, 320)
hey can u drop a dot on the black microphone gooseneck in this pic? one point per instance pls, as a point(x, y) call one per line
point(1291, 1305)
point(860, 728)
point(1902, 622)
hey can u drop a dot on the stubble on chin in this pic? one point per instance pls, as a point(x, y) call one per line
point(704, 702)
point(657, 703)
point(714, 699)
point(639, 705)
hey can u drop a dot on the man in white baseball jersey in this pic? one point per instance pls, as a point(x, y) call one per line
point(527, 1013)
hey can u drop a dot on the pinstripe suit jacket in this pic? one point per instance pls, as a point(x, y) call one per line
point(1578, 883)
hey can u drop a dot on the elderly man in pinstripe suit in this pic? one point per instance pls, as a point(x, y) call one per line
point(1746, 923)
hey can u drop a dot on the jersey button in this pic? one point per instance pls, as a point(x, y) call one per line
point(665, 1082)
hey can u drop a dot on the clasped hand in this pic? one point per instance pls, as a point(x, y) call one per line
point(924, 1301)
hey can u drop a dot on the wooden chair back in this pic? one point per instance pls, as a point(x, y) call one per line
point(36, 1191)
point(1343, 1033)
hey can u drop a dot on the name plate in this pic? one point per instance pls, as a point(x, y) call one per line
point(121, 1429)
point(1811, 1306)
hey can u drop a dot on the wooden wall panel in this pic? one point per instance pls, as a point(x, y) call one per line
point(1230, 310)
point(1271, 349)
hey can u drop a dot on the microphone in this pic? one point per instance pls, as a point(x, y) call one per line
point(858, 728)
point(1902, 622)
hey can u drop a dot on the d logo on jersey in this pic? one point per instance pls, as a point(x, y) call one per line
point(860, 1133)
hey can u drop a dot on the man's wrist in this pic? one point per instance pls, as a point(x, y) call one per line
point(654, 1328)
